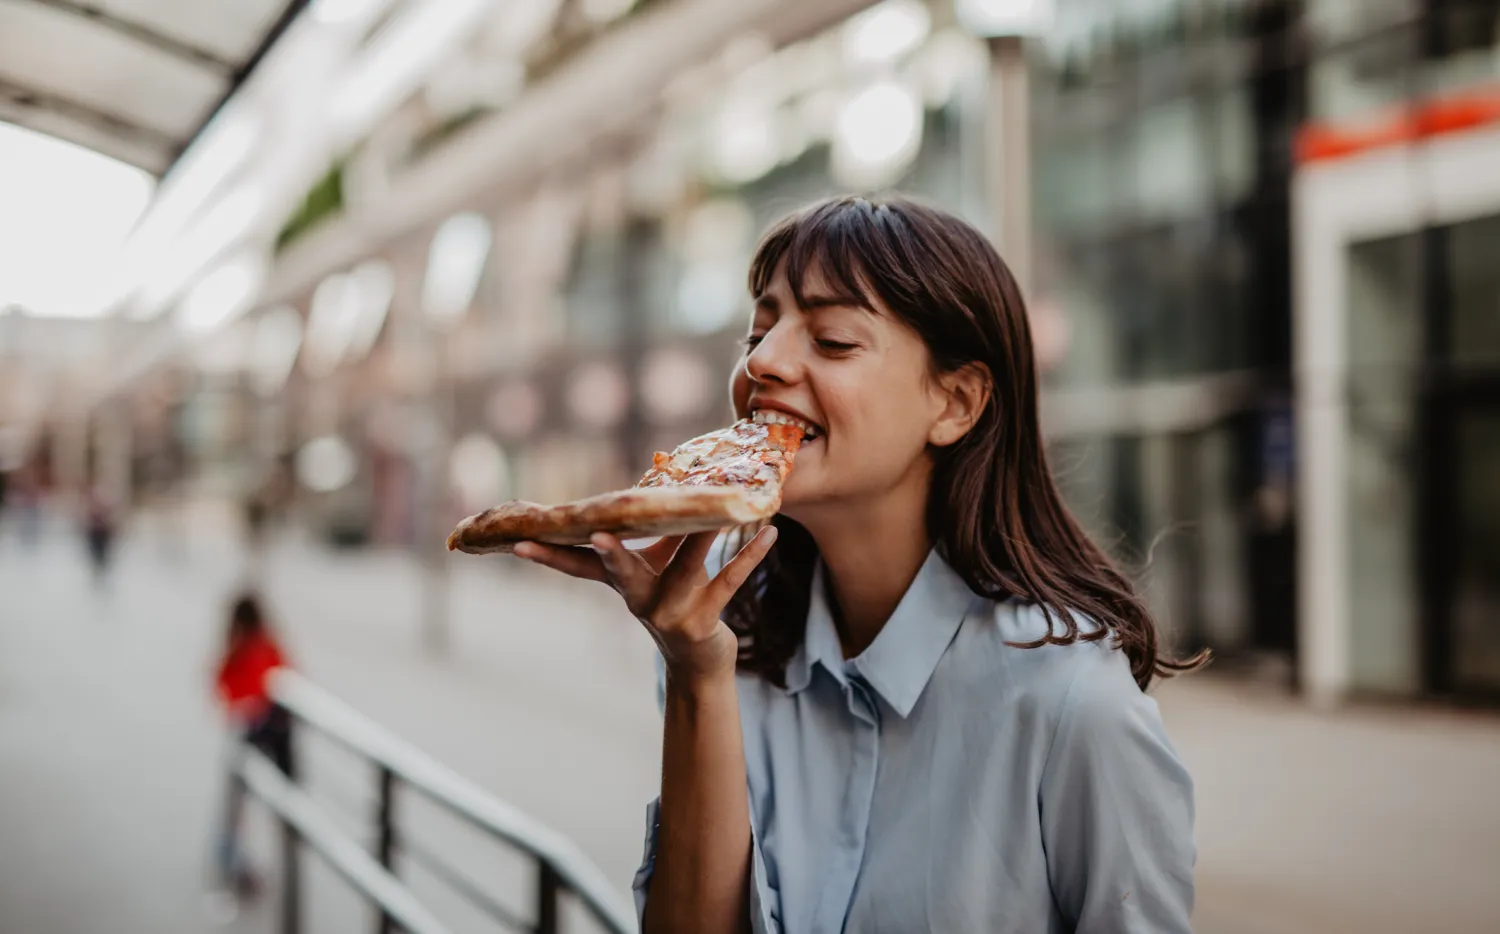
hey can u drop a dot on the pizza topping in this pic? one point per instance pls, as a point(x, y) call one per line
point(749, 454)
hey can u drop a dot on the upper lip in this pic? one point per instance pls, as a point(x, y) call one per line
point(783, 407)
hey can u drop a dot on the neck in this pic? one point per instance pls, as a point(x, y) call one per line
point(871, 553)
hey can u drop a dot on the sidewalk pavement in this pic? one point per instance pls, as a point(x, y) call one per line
point(1376, 820)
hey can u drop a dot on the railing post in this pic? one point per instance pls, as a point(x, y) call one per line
point(547, 887)
point(386, 847)
point(291, 888)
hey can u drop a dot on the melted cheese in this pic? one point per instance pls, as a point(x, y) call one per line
point(745, 454)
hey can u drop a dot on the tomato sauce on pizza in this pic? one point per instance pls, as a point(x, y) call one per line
point(747, 453)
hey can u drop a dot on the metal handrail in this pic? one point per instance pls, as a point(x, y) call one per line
point(297, 809)
point(562, 864)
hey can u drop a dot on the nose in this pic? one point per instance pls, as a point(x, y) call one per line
point(775, 358)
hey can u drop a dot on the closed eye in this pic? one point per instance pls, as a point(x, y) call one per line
point(836, 346)
point(752, 340)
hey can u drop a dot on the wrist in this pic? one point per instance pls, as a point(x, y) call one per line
point(698, 687)
point(704, 662)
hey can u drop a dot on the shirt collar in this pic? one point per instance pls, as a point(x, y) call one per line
point(901, 660)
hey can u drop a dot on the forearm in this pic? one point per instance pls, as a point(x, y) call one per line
point(703, 858)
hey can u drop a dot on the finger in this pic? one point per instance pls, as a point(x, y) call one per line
point(659, 553)
point(688, 562)
point(723, 587)
point(629, 572)
point(577, 562)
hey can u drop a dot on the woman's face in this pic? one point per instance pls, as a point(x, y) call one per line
point(859, 376)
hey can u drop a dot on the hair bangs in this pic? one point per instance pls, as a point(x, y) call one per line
point(832, 241)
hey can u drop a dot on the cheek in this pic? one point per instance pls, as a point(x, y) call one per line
point(875, 416)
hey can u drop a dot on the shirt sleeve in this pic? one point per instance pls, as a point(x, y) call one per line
point(1116, 808)
point(763, 902)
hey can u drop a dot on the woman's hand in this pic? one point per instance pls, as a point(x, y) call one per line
point(668, 589)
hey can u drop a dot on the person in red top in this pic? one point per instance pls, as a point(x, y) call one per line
point(242, 683)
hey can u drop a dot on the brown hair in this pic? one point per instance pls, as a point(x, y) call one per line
point(993, 510)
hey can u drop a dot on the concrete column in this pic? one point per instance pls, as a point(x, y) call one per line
point(1008, 151)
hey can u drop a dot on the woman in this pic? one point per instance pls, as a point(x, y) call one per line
point(242, 682)
point(914, 701)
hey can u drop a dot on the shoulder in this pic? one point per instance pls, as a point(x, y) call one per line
point(1051, 677)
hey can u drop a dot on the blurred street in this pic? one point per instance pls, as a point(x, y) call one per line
point(1368, 819)
point(327, 276)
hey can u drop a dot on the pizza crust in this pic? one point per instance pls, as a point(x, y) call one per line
point(729, 477)
point(635, 513)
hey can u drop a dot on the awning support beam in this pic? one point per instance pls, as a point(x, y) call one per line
point(28, 97)
point(145, 35)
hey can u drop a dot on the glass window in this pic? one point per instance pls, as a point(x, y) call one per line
point(1081, 180)
point(1384, 337)
point(1084, 297)
point(1337, 20)
point(1363, 79)
point(1070, 186)
point(1233, 129)
point(1225, 304)
point(1476, 594)
point(1083, 467)
point(1171, 166)
point(1166, 552)
point(1222, 598)
point(1163, 314)
point(1469, 34)
point(1384, 324)
point(1475, 288)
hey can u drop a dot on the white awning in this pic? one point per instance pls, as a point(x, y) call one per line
point(133, 79)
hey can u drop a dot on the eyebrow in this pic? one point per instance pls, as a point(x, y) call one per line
point(813, 303)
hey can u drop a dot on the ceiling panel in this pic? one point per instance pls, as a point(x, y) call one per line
point(231, 30)
point(135, 79)
point(76, 60)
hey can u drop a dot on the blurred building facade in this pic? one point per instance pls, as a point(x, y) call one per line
point(530, 275)
point(1397, 339)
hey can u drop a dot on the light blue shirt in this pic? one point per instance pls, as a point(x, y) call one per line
point(945, 781)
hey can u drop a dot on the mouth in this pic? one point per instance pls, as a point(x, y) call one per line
point(810, 431)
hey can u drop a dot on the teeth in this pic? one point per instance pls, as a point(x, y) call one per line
point(773, 417)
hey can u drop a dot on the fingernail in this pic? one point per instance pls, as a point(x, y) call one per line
point(770, 532)
point(524, 550)
point(599, 540)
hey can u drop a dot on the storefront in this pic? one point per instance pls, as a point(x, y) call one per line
point(1398, 401)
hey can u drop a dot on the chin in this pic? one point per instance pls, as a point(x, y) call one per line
point(791, 499)
point(799, 501)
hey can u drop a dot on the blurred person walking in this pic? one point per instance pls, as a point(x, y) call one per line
point(99, 532)
point(242, 682)
point(916, 700)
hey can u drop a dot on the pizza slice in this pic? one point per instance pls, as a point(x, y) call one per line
point(725, 478)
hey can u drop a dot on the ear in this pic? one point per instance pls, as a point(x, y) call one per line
point(963, 394)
